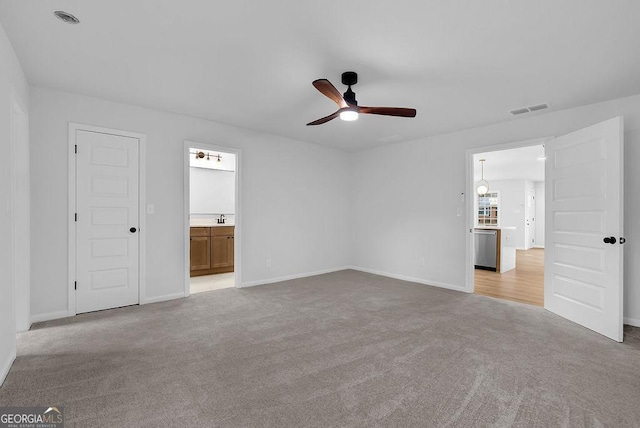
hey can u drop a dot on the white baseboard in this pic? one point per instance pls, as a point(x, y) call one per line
point(164, 298)
point(411, 279)
point(48, 316)
point(290, 277)
point(632, 321)
point(6, 366)
point(538, 246)
point(20, 330)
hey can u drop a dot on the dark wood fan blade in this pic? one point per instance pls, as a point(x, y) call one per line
point(325, 119)
point(389, 111)
point(330, 91)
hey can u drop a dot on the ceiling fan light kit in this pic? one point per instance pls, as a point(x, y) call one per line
point(348, 109)
point(349, 115)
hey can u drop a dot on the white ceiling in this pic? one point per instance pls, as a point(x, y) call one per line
point(461, 64)
point(523, 163)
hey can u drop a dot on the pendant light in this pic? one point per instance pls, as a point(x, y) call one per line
point(483, 185)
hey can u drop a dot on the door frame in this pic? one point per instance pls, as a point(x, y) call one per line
point(71, 224)
point(22, 298)
point(470, 200)
point(237, 253)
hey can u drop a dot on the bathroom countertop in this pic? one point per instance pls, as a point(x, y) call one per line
point(209, 223)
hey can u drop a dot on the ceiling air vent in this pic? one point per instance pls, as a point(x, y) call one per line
point(538, 107)
point(66, 17)
point(529, 109)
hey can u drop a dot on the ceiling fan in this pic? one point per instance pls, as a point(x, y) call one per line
point(348, 106)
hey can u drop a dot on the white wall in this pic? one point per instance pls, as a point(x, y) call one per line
point(294, 193)
point(13, 86)
point(418, 185)
point(539, 189)
point(212, 191)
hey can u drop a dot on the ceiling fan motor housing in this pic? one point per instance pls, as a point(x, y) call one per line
point(350, 97)
point(350, 78)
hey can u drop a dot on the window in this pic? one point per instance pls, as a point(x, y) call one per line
point(488, 209)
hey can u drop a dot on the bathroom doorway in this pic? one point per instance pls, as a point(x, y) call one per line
point(212, 218)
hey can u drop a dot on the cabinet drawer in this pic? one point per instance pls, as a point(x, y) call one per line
point(222, 231)
point(199, 231)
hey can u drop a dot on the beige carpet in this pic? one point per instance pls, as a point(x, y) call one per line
point(342, 349)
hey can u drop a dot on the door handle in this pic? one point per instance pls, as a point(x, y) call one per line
point(610, 240)
point(622, 240)
point(133, 230)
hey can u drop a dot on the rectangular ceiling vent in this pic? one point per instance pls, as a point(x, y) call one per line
point(529, 109)
point(538, 107)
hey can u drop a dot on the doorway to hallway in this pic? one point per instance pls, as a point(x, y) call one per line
point(509, 224)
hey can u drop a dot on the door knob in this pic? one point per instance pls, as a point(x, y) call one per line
point(609, 240)
point(133, 230)
point(622, 240)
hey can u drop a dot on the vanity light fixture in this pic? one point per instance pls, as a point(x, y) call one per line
point(483, 185)
point(202, 155)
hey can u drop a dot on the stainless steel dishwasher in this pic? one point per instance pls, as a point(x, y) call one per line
point(486, 244)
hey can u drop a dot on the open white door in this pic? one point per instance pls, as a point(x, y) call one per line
point(584, 213)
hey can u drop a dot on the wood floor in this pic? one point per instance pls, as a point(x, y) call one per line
point(524, 284)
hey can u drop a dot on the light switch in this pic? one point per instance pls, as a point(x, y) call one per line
point(151, 209)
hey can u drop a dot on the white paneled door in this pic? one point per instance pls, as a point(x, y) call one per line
point(584, 215)
point(530, 220)
point(107, 221)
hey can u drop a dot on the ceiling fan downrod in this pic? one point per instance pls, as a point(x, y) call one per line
point(350, 78)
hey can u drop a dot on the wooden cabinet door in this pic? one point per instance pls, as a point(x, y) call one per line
point(200, 253)
point(230, 251)
point(220, 251)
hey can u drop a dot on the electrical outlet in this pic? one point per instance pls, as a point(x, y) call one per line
point(422, 261)
point(150, 209)
point(268, 263)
